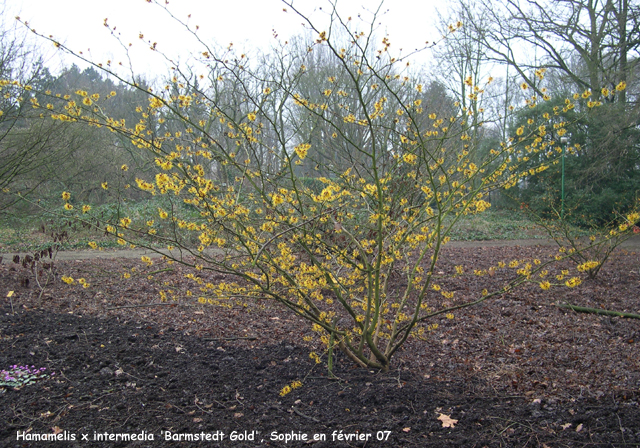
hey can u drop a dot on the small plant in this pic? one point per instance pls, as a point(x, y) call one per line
point(41, 264)
point(19, 376)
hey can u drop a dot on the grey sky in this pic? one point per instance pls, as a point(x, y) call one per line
point(246, 23)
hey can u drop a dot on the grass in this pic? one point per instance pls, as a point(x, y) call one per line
point(497, 225)
point(29, 238)
point(30, 234)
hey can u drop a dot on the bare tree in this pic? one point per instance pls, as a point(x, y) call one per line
point(589, 47)
point(19, 68)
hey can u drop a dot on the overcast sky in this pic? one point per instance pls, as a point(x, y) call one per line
point(247, 23)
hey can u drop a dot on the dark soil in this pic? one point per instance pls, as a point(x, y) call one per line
point(515, 371)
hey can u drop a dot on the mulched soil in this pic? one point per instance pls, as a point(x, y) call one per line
point(515, 371)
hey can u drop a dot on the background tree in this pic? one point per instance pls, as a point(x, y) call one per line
point(591, 46)
point(477, 83)
point(44, 158)
point(19, 65)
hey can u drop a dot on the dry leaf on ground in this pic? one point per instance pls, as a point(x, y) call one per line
point(447, 421)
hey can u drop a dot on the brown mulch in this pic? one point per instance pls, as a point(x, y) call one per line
point(513, 371)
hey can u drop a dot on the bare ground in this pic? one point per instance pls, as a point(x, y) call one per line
point(514, 371)
point(632, 243)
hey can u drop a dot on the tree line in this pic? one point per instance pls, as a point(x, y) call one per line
point(501, 56)
point(547, 51)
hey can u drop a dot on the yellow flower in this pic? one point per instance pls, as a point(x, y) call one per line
point(93, 244)
point(621, 86)
point(524, 86)
point(409, 158)
point(66, 196)
point(68, 280)
point(124, 167)
point(251, 116)
point(105, 185)
point(573, 282)
point(588, 266)
point(301, 150)
point(125, 222)
point(285, 390)
point(276, 200)
point(545, 285)
point(86, 208)
point(162, 213)
point(68, 206)
point(143, 185)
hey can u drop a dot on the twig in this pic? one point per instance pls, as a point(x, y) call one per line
point(195, 401)
point(233, 338)
point(304, 415)
point(582, 309)
point(148, 305)
point(160, 270)
point(324, 378)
